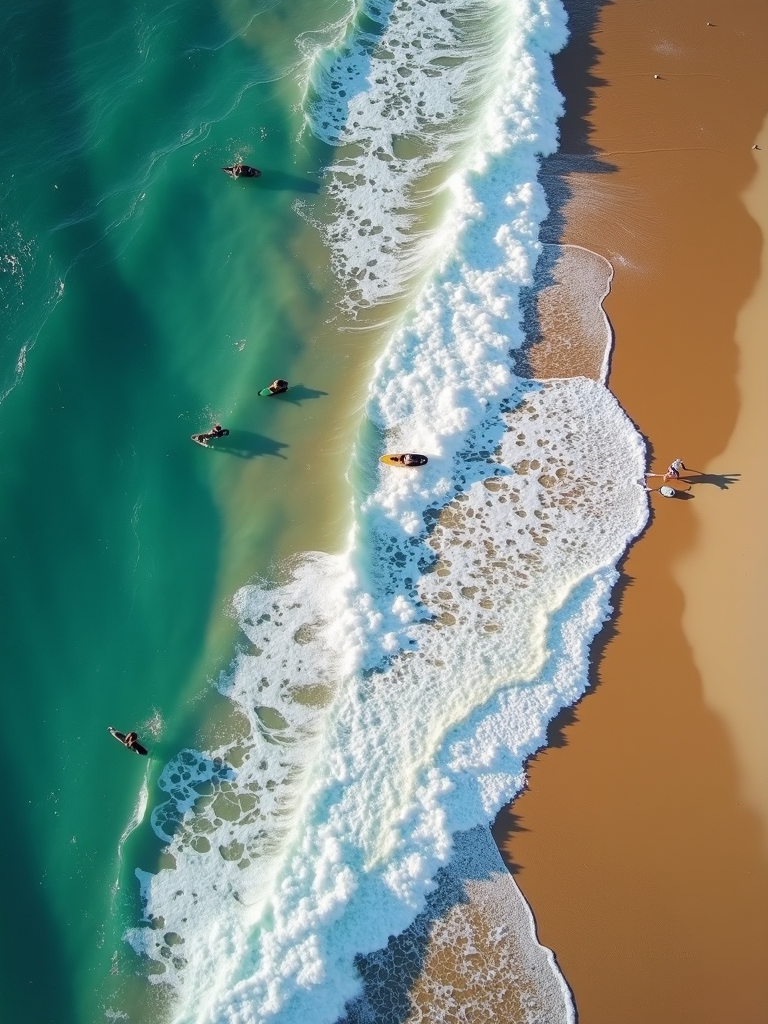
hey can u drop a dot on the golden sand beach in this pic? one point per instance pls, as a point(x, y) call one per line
point(641, 841)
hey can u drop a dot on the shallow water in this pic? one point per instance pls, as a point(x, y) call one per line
point(319, 725)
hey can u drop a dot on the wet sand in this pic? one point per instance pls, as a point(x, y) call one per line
point(641, 842)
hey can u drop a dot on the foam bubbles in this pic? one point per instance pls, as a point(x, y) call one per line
point(475, 930)
point(413, 86)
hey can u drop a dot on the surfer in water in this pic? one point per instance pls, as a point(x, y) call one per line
point(239, 170)
point(409, 459)
point(129, 740)
point(216, 431)
point(277, 387)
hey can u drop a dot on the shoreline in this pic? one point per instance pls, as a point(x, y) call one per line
point(638, 848)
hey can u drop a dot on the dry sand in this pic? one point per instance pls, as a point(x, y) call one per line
point(641, 843)
point(731, 658)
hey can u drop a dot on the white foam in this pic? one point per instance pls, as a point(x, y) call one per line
point(137, 817)
point(428, 83)
point(391, 695)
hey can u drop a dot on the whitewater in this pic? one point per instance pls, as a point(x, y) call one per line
point(389, 695)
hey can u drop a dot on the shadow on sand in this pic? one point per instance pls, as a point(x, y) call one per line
point(721, 480)
point(683, 487)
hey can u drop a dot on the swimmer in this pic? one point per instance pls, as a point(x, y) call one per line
point(277, 387)
point(239, 170)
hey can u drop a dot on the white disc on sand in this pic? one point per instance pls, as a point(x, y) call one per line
point(668, 492)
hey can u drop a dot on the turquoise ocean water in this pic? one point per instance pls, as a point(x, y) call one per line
point(145, 295)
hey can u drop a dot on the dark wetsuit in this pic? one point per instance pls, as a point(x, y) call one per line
point(131, 741)
point(242, 171)
point(211, 435)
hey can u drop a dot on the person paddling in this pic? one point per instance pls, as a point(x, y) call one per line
point(239, 170)
point(216, 431)
point(408, 459)
point(277, 387)
point(129, 740)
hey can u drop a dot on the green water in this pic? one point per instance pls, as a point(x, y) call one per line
point(183, 293)
point(144, 295)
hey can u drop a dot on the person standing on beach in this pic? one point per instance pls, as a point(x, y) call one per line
point(673, 472)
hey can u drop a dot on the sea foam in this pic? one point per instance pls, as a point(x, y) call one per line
point(391, 694)
point(412, 86)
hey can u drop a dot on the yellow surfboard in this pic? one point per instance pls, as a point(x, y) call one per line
point(407, 461)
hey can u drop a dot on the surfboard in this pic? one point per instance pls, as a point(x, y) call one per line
point(397, 460)
point(242, 171)
point(203, 438)
point(137, 748)
point(266, 393)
